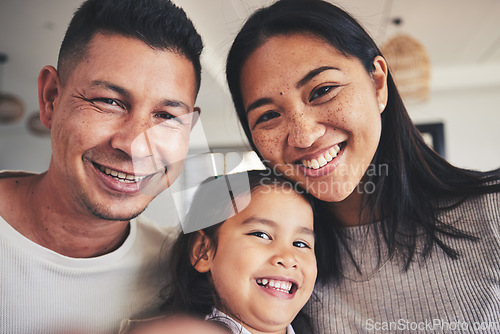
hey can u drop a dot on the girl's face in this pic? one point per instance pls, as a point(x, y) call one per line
point(313, 113)
point(264, 268)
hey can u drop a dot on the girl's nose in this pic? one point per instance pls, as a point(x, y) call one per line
point(304, 130)
point(285, 259)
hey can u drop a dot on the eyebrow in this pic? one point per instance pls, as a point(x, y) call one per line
point(272, 223)
point(308, 77)
point(109, 85)
point(259, 103)
point(124, 92)
point(175, 104)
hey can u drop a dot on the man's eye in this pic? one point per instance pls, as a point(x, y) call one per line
point(320, 92)
point(262, 235)
point(301, 244)
point(109, 101)
point(267, 116)
point(165, 115)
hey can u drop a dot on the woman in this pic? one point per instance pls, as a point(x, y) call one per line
point(405, 240)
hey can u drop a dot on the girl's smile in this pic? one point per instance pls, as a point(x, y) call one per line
point(278, 287)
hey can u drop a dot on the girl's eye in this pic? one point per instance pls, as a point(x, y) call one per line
point(267, 116)
point(301, 244)
point(262, 235)
point(321, 91)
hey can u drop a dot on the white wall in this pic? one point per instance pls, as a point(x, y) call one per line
point(471, 117)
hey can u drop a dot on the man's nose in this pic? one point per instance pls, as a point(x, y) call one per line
point(135, 137)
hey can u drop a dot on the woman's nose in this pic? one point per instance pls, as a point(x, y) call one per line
point(304, 130)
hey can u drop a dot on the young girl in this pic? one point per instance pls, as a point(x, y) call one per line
point(256, 269)
point(411, 238)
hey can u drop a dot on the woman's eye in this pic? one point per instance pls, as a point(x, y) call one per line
point(262, 235)
point(301, 244)
point(267, 116)
point(320, 92)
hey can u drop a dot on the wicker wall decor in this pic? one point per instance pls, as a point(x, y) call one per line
point(11, 107)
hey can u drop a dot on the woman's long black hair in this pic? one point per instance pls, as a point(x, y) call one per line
point(409, 197)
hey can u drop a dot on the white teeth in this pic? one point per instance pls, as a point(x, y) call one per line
point(283, 286)
point(322, 160)
point(120, 175)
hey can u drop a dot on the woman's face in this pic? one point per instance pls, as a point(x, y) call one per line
point(313, 113)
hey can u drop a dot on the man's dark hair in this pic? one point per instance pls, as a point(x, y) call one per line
point(158, 23)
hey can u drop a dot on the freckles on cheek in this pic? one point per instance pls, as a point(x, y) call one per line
point(268, 145)
point(336, 117)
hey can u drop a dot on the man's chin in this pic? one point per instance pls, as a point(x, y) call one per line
point(111, 217)
point(101, 212)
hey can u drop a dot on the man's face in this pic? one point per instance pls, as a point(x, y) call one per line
point(120, 126)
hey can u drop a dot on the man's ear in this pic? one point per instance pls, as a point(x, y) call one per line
point(379, 76)
point(196, 116)
point(49, 88)
point(202, 252)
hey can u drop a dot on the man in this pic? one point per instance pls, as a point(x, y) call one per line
point(120, 107)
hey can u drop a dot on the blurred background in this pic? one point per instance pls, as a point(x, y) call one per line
point(451, 66)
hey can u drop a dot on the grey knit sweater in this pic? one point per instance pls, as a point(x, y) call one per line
point(439, 295)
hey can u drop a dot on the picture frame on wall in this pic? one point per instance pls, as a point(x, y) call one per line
point(433, 134)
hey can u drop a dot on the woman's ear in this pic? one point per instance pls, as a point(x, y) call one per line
point(379, 76)
point(49, 88)
point(202, 252)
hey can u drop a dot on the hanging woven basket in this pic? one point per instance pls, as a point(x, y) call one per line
point(35, 126)
point(410, 67)
point(11, 108)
